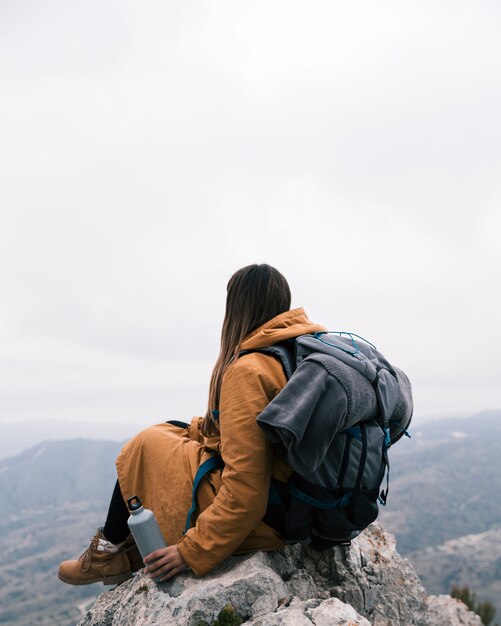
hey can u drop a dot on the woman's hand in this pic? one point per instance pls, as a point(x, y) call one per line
point(164, 563)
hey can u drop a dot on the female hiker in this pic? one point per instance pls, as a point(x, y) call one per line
point(159, 464)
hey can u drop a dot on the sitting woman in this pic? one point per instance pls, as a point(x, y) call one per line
point(159, 464)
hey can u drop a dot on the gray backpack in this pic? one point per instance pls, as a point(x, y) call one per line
point(343, 406)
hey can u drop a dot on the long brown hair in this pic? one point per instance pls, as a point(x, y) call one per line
point(255, 295)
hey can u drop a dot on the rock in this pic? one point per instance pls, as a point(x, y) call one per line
point(358, 585)
point(447, 611)
point(331, 612)
point(247, 583)
point(372, 577)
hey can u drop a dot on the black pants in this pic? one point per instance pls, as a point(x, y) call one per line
point(115, 528)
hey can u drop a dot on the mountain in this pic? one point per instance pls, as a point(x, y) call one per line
point(472, 560)
point(53, 498)
point(32, 547)
point(444, 485)
point(15, 437)
point(54, 473)
point(444, 507)
point(444, 481)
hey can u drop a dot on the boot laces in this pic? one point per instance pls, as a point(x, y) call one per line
point(86, 558)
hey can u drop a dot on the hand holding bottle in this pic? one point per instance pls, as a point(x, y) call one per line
point(164, 563)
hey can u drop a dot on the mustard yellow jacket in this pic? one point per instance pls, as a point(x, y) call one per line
point(160, 463)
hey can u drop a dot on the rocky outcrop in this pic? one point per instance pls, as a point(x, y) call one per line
point(367, 583)
point(451, 612)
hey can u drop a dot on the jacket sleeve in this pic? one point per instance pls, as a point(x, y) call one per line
point(242, 499)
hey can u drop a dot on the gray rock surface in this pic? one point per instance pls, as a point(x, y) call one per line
point(447, 611)
point(330, 612)
point(363, 584)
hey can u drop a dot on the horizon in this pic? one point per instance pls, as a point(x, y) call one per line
point(16, 440)
point(136, 422)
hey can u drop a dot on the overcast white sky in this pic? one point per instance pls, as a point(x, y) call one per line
point(149, 149)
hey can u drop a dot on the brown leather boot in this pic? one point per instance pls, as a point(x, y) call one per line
point(111, 568)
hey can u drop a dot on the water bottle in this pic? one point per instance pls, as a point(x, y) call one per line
point(144, 528)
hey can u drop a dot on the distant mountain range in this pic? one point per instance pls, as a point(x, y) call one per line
point(473, 560)
point(444, 505)
point(444, 481)
point(54, 473)
point(15, 437)
point(53, 498)
point(444, 485)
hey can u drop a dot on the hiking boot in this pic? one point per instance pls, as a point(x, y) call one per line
point(97, 565)
point(133, 554)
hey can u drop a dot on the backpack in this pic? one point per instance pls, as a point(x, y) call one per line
point(342, 408)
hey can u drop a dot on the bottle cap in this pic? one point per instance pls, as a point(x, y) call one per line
point(134, 504)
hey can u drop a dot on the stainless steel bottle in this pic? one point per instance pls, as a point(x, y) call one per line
point(144, 528)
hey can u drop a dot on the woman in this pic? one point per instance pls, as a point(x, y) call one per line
point(160, 463)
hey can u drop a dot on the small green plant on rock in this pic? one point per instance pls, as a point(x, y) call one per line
point(485, 610)
point(227, 617)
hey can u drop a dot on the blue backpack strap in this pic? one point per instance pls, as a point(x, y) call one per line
point(326, 505)
point(207, 466)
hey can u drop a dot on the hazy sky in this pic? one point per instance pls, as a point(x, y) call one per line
point(149, 149)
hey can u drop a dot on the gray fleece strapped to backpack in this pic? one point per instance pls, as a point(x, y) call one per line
point(333, 422)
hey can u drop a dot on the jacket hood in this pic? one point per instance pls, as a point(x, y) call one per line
point(284, 326)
